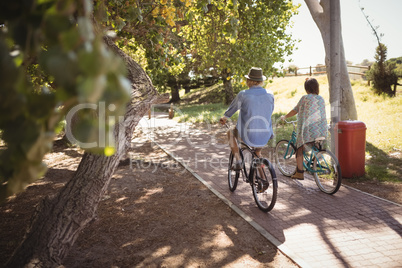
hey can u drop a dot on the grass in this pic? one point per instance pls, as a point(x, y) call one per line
point(202, 105)
point(208, 113)
point(381, 115)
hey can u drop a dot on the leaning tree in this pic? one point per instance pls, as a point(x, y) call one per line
point(329, 23)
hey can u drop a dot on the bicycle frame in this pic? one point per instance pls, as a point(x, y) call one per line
point(292, 141)
point(242, 147)
point(261, 177)
point(319, 162)
point(308, 156)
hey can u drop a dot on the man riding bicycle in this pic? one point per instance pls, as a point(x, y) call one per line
point(254, 126)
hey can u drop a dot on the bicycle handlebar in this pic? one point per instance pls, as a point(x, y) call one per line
point(295, 121)
point(290, 122)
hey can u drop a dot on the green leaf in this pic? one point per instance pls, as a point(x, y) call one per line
point(109, 151)
point(102, 13)
point(120, 23)
point(70, 39)
point(90, 89)
point(85, 29)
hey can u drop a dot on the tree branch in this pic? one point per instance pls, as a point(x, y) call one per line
point(316, 11)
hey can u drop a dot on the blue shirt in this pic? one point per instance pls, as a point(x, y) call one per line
point(254, 124)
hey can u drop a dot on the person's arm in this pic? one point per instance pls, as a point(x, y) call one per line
point(294, 111)
point(290, 114)
point(233, 107)
point(223, 120)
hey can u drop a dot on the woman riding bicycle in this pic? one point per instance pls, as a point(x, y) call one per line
point(311, 121)
point(254, 126)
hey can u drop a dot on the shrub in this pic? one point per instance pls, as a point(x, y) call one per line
point(382, 73)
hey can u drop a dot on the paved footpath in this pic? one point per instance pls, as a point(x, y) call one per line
point(348, 229)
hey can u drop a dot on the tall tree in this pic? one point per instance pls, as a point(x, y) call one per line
point(342, 95)
point(59, 219)
point(228, 37)
point(152, 27)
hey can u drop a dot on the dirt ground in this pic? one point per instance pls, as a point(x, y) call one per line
point(153, 215)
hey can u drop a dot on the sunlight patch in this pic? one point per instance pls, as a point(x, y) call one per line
point(234, 229)
point(121, 199)
point(161, 252)
point(221, 239)
point(133, 243)
point(149, 193)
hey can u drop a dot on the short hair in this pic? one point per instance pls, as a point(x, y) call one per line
point(311, 86)
point(251, 83)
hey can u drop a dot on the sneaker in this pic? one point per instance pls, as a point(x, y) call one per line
point(298, 176)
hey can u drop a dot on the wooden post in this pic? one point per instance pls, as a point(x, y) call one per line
point(310, 71)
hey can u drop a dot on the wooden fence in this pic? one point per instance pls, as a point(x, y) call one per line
point(321, 69)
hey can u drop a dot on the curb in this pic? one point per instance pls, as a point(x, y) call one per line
point(386, 200)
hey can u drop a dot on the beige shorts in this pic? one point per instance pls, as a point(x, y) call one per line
point(233, 131)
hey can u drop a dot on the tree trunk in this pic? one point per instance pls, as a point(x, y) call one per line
point(320, 11)
point(175, 93)
point(227, 87)
point(394, 91)
point(174, 85)
point(59, 219)
point(186, 89)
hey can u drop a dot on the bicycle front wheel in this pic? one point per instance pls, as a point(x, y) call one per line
point(285, 157)
point(264, 184)
point(327, 172)
point(233, 175)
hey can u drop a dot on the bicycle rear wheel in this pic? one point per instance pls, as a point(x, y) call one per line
point(285, 157)
point(264, 184)
point(327, 172)
point(233, 175)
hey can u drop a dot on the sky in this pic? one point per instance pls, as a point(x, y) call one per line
point(358, 39)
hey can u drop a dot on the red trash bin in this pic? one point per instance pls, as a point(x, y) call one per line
point(351, 147)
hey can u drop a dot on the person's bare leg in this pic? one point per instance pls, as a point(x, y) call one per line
point(233, 145)
point(299, 175)
point(299, 158)
point(258, 151)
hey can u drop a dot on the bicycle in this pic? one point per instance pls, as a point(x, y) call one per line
point(318, 161)
point(259, 173)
